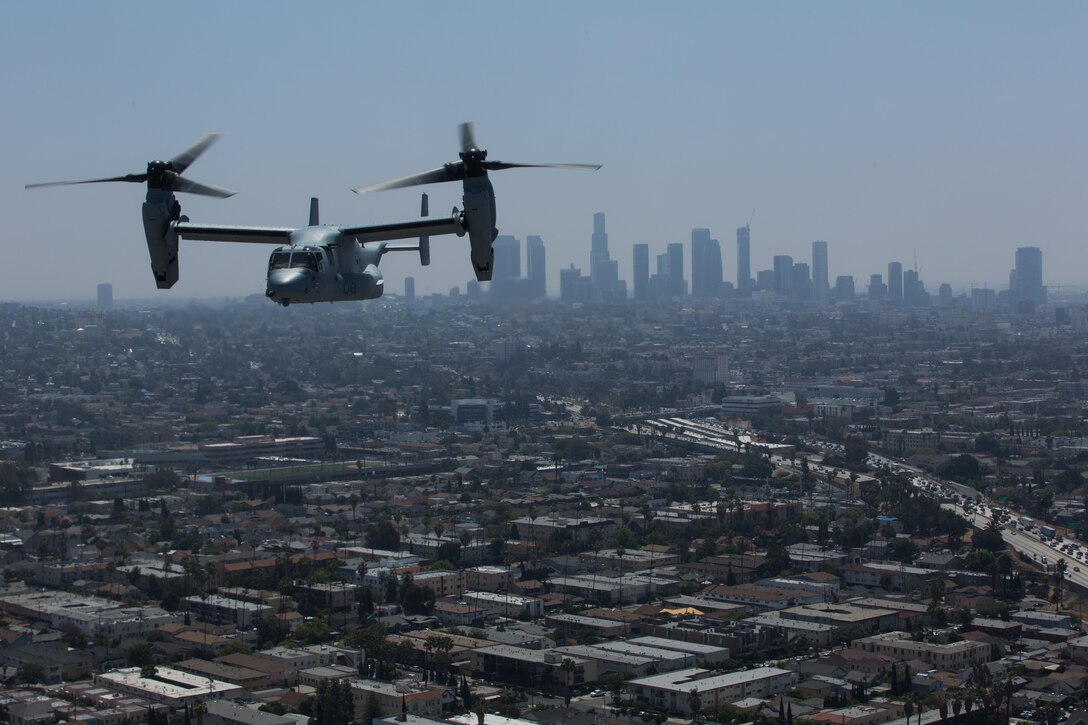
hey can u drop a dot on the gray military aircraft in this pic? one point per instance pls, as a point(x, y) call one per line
point(323, 263)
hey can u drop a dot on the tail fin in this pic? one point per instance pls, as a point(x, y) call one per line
point(424, 242)
point(314, 215)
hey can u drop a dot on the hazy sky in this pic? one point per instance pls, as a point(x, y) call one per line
point(950, 131)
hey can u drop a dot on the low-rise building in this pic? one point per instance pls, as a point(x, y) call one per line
point(533, 668)
point(168, 686)
point(953, 656)
point(695, 690)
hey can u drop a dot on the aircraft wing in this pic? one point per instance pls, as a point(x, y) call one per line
point(422, 227)
point(252, 235)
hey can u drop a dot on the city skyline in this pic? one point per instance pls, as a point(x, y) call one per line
point(705, 275)
point(888, 130)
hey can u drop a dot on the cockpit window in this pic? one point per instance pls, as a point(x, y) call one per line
point(304, 259)
point(280, 260)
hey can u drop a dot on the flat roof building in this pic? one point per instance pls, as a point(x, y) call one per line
point(678, 691)
point(167, 686)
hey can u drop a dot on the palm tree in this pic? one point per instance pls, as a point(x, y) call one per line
point(200, 709)
point(568, 667)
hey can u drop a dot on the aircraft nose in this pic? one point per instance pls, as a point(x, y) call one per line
point(286, 282)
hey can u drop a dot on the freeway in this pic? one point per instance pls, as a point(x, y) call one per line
point(978, 511)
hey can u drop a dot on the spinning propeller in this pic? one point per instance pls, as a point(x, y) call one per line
point(165, 175)
point(473, 163)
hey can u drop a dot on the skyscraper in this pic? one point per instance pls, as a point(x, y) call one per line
point(820, 287)
point(783, 273)
point(573, 285)
point(800, 282)
point(677, 286)
point(844, 288)
point(105, 297)
point(1026, 280)
point(744, 258)
point(895, 283)
point(877, 289)
point(706, 265)
point(410, 290)
point(641, 280)
point(507, 263)
point(599, 240)
point(534, 267)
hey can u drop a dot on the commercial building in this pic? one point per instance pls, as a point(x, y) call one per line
point(167, 686)
point(681, 690)
point(392, 697)
point(542, 529)
point(954, 656)
point(535, 668)
point(223, 610)
point(505, 605)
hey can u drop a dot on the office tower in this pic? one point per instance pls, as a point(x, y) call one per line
point(800, 282)
point(534, 267)
point(982, 299)
point(599, 240)
point(1026, 280)
point(677, 285)
point(710, 368)
point(783, 273)
point(819, 271)
point(765, 280)
point(410, 290)
point(895, 282)
point(944, 294)
point(641, 280)
point(844, 288)
point(744, 258)
point(105, 297)
point(507, 263)
point(912, 288)
point(706, 265)
point(660, 279)
point(877, 289)
point(573, 285)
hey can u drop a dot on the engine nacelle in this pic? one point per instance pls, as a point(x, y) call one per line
point(479, 215)
point(160, 210)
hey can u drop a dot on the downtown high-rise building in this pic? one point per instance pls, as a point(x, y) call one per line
point(800, 282)
point(783, 273)
point(641, 270)
point(599, 241)
point(410, 290)
point(535, 266)
point(706, 265)
point(895, 283)
point(105, 297)
point(677, 285)
point(844, 288)
point(1026, 287)
point(603, 270)
point(820, 286)
point(507, 264)
point(744, 258)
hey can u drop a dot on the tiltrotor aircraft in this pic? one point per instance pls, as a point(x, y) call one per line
point(322, 263)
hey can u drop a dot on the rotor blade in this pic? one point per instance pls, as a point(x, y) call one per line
point(183, 160)
point(137, 178)
point(468, 136)
point(449, 172)
point(194, 187)
point(500, 165)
